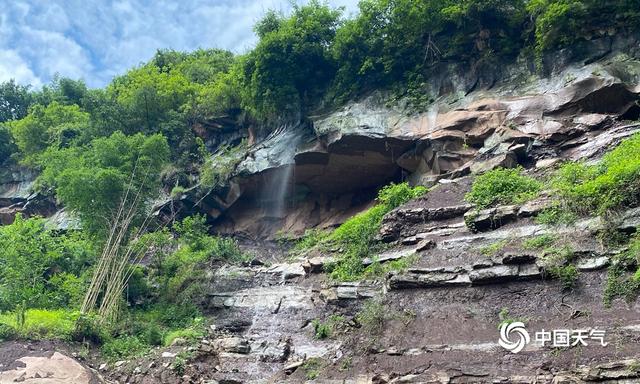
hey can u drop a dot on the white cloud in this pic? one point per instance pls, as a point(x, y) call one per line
point(12, 66)
point(53, 53)
point(105, 38)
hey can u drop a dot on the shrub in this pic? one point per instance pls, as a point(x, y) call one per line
point(179, 364)
point(168, 315)
point(567, 274)
point(321, 330)
point(621, 281)
point(326, 329)
point(7, 332)
point(356, 236)
point(612, 184)
point(194, 332)
point(312, 368)
point(31, 258)
point(556, 214)
point(557, 262)
point(506, 318)
point(502, 186)
point(124, 347)
point(153, 335)
point(372, 316)
point(180, 273)
point(87, 328)
point(217, 169)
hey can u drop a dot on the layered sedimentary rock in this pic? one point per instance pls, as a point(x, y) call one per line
point(575, 111)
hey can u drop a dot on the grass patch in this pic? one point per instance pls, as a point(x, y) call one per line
point(556, 214)
point(325, 330)
point(567, 274)
point(493, 248)
point(557, 261)
point(502, 186)
point(612, 184)
point(124, 347)
point(312, 368)
point(190, 334)
point(356, 237)
point(310, 239)
point(539, 242)
point(217, 169)
point(377, 269)
point(623, 276)
point(372, 317)
point(40, 323)
point(506, 319)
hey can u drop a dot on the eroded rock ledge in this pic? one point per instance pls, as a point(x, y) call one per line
point(334, 162)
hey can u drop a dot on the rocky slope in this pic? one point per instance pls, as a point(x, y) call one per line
point(326, 169)
point(441, 315)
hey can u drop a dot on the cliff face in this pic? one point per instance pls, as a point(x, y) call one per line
point(326, 168)
point(437, 321)
point(320, 172)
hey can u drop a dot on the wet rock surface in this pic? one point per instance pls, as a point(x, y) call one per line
point(441, 314)
point(336, 158)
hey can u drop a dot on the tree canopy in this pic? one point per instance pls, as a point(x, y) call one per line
point(303, 62)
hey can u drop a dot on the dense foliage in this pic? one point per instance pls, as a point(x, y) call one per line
point(607, 186)
point(45, 274)
point(39, 268)
point(95, 147)
point(356, 236)
point(502, 186)
point(623, 279)
point(302, 62)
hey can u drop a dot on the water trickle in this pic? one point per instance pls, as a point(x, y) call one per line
point(278, 189)
point(279, 183)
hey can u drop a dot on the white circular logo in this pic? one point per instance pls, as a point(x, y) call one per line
point(517, 328)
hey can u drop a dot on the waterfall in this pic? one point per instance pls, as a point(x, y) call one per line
point(277, 190)
point(278, 182)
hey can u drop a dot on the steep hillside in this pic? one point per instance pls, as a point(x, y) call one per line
point(378, 205)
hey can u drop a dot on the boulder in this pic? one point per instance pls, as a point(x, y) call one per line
point(56, 369)
point(592, 264)
point(232, 345)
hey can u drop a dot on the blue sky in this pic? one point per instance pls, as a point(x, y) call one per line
point(96, 40)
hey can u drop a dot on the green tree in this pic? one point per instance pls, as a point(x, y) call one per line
point(291, 64)
point(15, 100)
point(147, 94)
point(559, 23)
point(55, 125)
point(95, 179)
point(396, 41)
point(39, 267)
point(62, 90)
point(7, 148)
